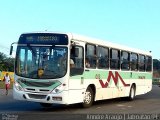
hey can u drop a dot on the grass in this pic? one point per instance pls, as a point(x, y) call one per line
point(156, 81)
point(2, 85)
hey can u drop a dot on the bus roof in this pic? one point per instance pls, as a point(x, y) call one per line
point(100, 42)
point(108, 44)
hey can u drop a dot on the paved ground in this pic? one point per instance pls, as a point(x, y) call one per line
point(143, 104)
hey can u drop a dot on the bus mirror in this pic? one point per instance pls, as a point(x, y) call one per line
point(11, 50)
point(76, 52)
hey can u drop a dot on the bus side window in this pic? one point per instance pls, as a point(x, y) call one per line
point(148, 63)
point(91, 56)
point(103, 57)
point(76, 57)
point(87, 63)
point(141, 63)
point(125, 60)
point(77, 60)
point(134, 61)
point(114, 59)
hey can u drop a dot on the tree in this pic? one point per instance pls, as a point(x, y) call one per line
point(156, 68)
point(6, 63)
point(156, 64)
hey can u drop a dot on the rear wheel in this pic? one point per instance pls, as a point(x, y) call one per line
point(46, 105)
point(132, 93)
point(88, 98)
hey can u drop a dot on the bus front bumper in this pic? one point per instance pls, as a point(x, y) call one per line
point(41, 97)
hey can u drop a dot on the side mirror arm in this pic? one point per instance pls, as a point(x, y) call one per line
point(11, 48)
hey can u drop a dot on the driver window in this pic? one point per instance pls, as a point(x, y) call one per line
point(76, 58)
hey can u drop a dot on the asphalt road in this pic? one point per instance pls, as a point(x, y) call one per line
point(143, 104)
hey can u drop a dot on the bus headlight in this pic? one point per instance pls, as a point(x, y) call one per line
point(18, 86)
point(58, 89)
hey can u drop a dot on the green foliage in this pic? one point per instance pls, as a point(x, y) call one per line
point(2, 85)
point(6, 63)
point(156, 64)
point(156, 68)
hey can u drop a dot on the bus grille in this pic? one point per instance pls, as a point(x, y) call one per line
point(35, 96)
point(37, 90)
point(37, 84)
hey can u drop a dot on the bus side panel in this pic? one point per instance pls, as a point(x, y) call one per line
point(103, 93)
point(76, 90)
point(143, 82)
point(75, 96)
point(144, 88)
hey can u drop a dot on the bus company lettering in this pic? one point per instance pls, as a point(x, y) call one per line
point(142, 77)
point(115, 79)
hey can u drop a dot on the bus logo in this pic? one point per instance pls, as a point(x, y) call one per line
point(115, 79)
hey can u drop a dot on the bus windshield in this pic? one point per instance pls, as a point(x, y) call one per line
point(41, 62)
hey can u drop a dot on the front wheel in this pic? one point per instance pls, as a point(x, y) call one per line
point(88, 98)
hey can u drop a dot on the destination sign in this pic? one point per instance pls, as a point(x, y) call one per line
point(44, 38)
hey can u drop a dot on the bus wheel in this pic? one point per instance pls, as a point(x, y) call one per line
point(132, 93)
point(88, 98)
point(46, 105)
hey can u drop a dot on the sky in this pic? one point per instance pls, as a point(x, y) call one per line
point(133, 23)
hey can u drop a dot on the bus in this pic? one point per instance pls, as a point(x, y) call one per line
point(67, 68)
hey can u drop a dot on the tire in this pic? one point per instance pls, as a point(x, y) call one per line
point(88, 98)
point(46, 105)
point(132, 93)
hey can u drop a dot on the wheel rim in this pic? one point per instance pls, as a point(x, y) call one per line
point(88, 97)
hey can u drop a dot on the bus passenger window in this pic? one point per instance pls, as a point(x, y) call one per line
point(141, 63)
point(87, 63)
point(91, 55)
point(103, 57)
point(148, 63)
point(115, 59)
point(125, 60)
point(134, 61)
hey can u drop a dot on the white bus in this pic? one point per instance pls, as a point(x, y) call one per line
point(66, 68)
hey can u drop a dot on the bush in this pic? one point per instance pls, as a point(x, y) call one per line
point(2, 85)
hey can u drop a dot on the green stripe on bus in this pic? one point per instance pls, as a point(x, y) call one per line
point(93, 74)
